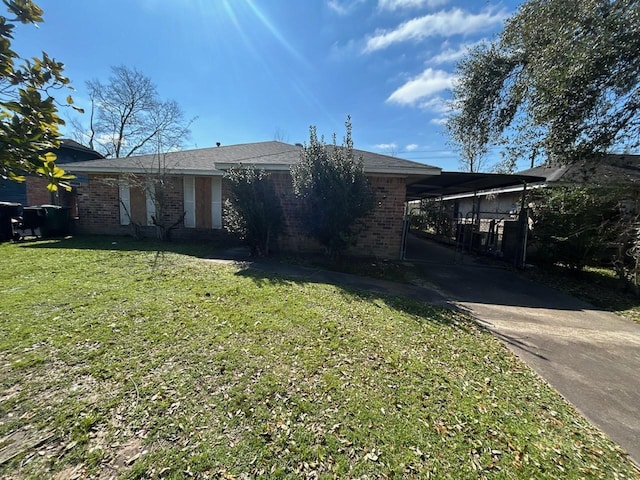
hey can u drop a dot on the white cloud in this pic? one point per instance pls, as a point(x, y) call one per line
point(450, 55)
point(436, 104)
point(386, 146)
point(443, 23)
point(343, 7)
point(439, 121)
point(404, 4)
point(411, 147)
point(425, 85)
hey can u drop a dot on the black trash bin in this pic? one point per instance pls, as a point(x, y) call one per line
point(33, 219)
point(8, 211)
point(57, 221)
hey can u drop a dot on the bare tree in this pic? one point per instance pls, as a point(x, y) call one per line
point(128, 117)
point(280, 135)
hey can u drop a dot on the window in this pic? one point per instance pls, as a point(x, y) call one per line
point(136, 203)
point(203, 202)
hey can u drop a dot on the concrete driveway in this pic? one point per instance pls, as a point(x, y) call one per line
point(591, 357)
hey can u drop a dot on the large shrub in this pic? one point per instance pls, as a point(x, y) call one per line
point(576, 225)
point(333, 192)
point(254, 210)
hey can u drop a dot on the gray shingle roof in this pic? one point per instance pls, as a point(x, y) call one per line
point(268, 155)
point(608, 170)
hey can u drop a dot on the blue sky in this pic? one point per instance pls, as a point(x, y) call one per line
point(250, 68)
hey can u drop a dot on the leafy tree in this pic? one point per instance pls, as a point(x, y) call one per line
point(576, 225)
point(128, 117)
point(333, 190)
point(28, 112)
point(561, 81)
point(254, 210)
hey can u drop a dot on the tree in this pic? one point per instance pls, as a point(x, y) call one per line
point(254, 210)
point(576, 225)
point(159, 185)
point(561, 82)
point(29, 119)
point(128, 117)
point(333, 191)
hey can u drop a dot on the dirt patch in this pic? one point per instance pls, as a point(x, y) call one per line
point(125, 455)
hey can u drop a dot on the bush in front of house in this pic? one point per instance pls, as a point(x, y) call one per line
point(254, 210)
point(333, 192)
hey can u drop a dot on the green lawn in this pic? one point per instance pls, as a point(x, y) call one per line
point(598, 286)
point(117, 360)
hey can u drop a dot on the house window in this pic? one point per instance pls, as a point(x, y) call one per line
point(137, 203)
point(203, 202)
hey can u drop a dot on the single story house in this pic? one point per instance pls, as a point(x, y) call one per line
point(110, 196)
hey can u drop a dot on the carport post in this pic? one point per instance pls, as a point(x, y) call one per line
point(524, 224)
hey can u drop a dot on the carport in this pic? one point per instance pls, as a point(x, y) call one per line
point(501, 233)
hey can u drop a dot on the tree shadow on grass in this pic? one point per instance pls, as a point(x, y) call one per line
point(442, 312)
point(198, 249)
point(596, 286)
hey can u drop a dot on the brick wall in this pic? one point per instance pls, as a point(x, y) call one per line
point(382, 235)
point(383, 232)
point(37, 193)
point(99, 213)
point(99, 208)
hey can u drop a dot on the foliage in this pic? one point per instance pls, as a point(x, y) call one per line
point(333, 190)
point(434, 217)
point(29, 118)
point(626, 262)
point(561, 80)
point(130, 118)
point(187, 368)
point(575, 225)
point(254, 210)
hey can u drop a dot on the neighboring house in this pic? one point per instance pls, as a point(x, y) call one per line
point(111, 197)
point(34, 192)
point(492, 213)
point(611, 171)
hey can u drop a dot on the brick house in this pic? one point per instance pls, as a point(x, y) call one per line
point(111, 198)
point(33, 192)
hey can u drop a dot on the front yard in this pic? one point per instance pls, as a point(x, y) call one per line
point(117, 360)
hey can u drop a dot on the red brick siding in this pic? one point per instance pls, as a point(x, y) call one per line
point(99, 207)
point(383, 235)
point(37, 193)
point(99, 212)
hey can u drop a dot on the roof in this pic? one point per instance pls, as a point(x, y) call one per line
point(607, 170)
point(266, 155)
point(73, 145)
point(457, 183)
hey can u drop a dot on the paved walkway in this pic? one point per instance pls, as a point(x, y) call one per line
point(590, 356)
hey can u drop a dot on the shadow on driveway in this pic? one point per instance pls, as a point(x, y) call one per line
point(591, 356)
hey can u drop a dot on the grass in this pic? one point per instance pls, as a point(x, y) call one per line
point(119, 360)
point(598, 286)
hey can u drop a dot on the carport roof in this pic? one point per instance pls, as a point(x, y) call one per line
point(454, 183)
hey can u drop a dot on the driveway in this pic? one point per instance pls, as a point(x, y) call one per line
point(591, 357)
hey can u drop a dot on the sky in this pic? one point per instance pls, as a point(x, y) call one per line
point(259, 70)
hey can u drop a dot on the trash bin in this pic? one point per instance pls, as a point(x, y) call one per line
point(33, 218)
point(57, 221)
point(8, 211)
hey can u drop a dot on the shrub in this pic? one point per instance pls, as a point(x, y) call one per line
point(254, 210)
point(333, 192)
